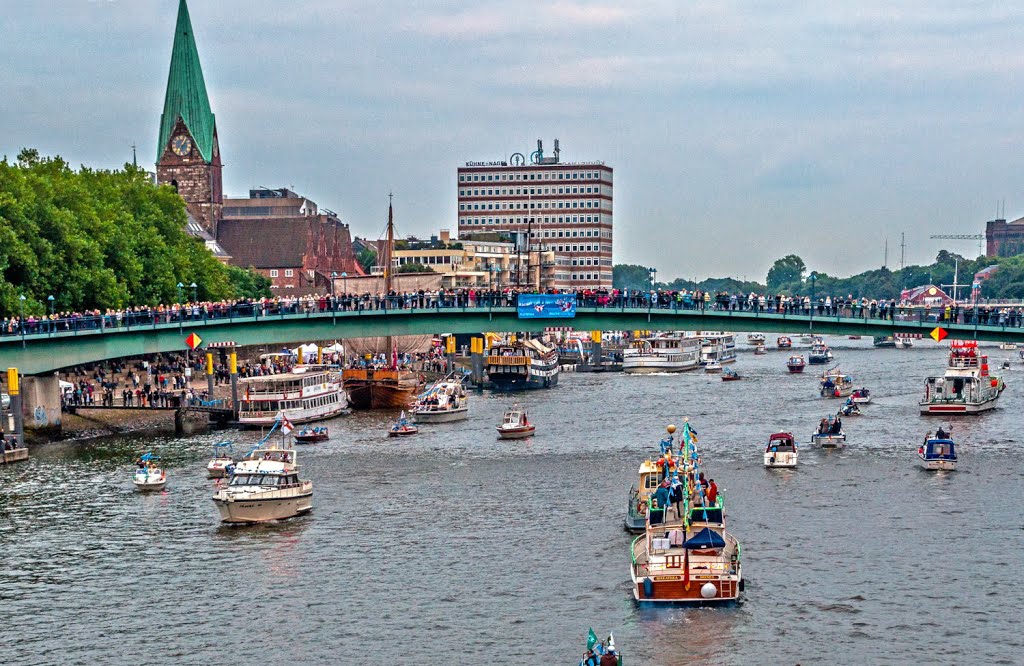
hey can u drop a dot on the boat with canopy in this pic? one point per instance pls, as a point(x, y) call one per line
point(781, 450)
point(443, 402)
point(223, 458)
point(149, 475)
point(937, 453)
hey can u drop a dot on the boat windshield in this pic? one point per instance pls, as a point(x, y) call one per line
point(254, 480)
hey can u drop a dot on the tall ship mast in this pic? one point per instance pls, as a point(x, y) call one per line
point(382, 385)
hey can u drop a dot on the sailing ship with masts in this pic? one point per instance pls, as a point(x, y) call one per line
point(392, 386)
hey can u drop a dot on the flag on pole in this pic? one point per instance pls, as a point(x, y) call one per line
point(591, 639)
point(286, 425)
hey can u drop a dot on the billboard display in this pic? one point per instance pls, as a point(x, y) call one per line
point(547, 306)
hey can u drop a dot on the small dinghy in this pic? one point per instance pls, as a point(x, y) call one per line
point(861, 396)
point(310, 435)
point(222, 459)
point(515, 425)
point(402, 428)
point(729, 375)
point(149, 475)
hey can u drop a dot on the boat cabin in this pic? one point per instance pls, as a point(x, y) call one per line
point(781, 442)
point(938, 449)
point(515, 417)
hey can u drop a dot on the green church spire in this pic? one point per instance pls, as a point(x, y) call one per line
point(186, 91)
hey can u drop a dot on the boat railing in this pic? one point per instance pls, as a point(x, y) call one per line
point(508, 360)
point(964, 362)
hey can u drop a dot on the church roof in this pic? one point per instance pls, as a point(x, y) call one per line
point(186, 91)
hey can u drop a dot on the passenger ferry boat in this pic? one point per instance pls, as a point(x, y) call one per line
point(781, 450)
point(651, 473)
point(966, 387)
point(783, 342)
point(796, 363)
point(819, 354)
point(265, 486)
point(669, 352)
point(522, 365)
point(444, 401)
point(938, 453)
point(308, 393)
point(717, 348)
point(685, 556)
point(834, 384)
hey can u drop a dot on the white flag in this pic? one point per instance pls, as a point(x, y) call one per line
point(286, 425)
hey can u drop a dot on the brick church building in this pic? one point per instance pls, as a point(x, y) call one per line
point(279, 233)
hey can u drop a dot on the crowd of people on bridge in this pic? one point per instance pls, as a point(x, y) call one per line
point(825, 305)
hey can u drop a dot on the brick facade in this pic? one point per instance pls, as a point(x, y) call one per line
point(198, 182)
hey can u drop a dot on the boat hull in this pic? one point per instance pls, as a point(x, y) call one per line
point(310, 439)
point(937, 465)
point(510, 381)
point(441, 416)
point(829, 441)
point(146, 486)
point(14, 455)
point(263, 510)
point(378, 395)
point(781, 460)
point(671, 589)
point(795, 369)
point(633, 366)
point(515, 433)
point(957, 407)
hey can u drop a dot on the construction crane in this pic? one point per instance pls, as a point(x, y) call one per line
point(978, 237)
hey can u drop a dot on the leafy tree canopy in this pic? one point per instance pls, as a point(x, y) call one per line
point(100, 239)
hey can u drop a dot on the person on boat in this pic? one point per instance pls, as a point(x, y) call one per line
point(837, 426)
point(941, 434)
point(663, 493)
point(609, 658)
point(589, 659)
point(823, 427)
point(712, 492)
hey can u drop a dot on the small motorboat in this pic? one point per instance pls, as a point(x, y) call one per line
point(601, 652)
point(781, 450)
point(149, 475)
point(808, 338)
point(904, 343)
point(755, 338)
point(1006, 365)
point(937, 453)
point(515, 425)
point(849, 409)
point(712, 366)
point(796, 363)
point(834, 384)
point(310, 435)
point(1008, 345)
point(820, 353)
point(760, 350)
point(783, 342)
point(861, 396)
point(402, 428)
point(730, 375)
point(830, 433)
point(223, 458)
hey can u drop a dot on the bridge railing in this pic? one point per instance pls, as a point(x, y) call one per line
point(205, 314)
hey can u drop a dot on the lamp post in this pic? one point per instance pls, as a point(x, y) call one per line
point(195, 292)
point(813, 277)
point(21, 318)
point(53, 322)
point(344, 282)
point(652, 273)
point(180, 286)
point(334, 276)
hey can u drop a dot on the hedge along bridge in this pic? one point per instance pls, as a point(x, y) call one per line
point(43, 352)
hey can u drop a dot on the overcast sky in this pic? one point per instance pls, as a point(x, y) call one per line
point(738, 131)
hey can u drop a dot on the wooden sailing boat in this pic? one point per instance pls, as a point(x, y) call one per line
point(382, 388)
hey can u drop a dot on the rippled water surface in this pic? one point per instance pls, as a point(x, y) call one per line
point(452, 547)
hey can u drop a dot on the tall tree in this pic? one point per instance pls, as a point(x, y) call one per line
point(788, 270)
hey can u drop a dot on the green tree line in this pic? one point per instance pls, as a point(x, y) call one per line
point(96, 239)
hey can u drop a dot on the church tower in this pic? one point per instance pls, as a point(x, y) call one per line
point(188, 157)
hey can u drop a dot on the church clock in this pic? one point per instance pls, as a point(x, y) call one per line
point(181, 145)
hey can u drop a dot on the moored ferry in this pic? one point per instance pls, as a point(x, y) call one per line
point(265, 486)
point(685, 556)
point(717, 348)
point(966, 387)
point(667, 352)
point(306, 394)
point(521, 365)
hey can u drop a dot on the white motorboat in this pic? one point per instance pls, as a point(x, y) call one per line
point(755, 338)
point(966, 387)
point(904, 343)
point(265, 486)
point(938, 453)
point(759, 350)
point(444, 401)
point(1008, 345)
point(149, 475)
point(712, 366)
point(515, 425)
point(861, 396)
point(781, 450)
point(220, 462)
point(830, 433)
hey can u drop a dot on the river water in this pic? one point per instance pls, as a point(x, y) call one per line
point(452, 547)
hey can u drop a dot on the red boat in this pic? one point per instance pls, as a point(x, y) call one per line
point(796, 363)
point(784, 342)
point(403, 428)
point(310, 435)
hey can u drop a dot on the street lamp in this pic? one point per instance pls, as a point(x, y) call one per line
point(53, 322)
point(180, 286)
point(652, 273)
point(344, 281)
point(334, 276)
point(813, 277)
point(21, 318)
point(195, 292)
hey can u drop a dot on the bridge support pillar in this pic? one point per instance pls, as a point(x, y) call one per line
point(209, 374)
point(233, 370)
point(40, 403)
point(188, 423)
point(595, 349)
point(14, 390)
point(476, 358)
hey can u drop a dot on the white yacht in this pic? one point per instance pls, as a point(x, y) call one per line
point(265, 486)
point(666, 352)
point(444, 401)
point(781, 450)
point(966, 387)
point(308, 393)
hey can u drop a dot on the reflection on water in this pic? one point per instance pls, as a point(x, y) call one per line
point(456, 547)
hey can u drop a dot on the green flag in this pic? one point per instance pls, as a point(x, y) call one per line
point(591, 639)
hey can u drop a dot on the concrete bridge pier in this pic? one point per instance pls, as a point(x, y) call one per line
point(40, 403)
point(233, 370)
point(595, 349)
point(476, 360)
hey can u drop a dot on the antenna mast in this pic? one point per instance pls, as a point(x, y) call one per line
point(903, 249)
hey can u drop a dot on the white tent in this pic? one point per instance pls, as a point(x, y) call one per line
point(307, 349)
point(336, 348)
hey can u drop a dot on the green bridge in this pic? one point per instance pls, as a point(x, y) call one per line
point(45, 352)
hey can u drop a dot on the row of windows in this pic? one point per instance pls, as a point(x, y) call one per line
point(288, 272)
point(591, 276)
point(429, 259)
point(534, 190)
point(543, 204)
point(587, 219)
point(544, 175)
point(567, 233)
